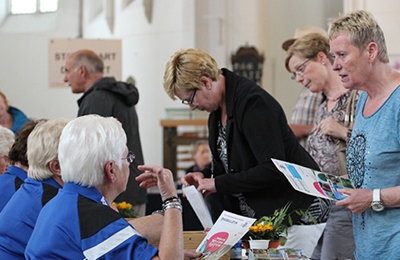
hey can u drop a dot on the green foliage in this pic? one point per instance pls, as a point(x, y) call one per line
point(273, 227)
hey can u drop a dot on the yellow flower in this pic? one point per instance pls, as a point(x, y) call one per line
point(125, 209)
point(124, 205)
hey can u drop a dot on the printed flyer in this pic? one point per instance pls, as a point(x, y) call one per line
point(313, 182)
point(226, 232)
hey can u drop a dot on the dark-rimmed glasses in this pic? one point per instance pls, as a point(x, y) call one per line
point(130, 157)
point(190, 101)
point(300, 69)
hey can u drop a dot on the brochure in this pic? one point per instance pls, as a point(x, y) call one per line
point(226, 232)
point(313, 182)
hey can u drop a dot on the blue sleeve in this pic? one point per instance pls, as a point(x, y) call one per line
point(118, 240)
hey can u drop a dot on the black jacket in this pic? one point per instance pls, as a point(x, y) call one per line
point(257, 131)
point(108, 97)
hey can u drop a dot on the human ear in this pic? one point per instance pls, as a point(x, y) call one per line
point(205, 81)
point(83, 70)
point(322, 57)
point(109, 171)
point(372, 49)
point(54, 166)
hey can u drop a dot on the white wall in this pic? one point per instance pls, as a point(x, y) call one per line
point(387, 15)
point(24, 79)
point(219, 27)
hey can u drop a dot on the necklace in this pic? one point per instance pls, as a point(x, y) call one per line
point(335, 99)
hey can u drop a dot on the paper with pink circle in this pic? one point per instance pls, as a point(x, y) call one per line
point(216, 241)
point(226, 232)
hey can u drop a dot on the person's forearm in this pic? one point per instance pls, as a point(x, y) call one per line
point(390, 197)
point(171, 242)
point(149, 226)
point(301, 130)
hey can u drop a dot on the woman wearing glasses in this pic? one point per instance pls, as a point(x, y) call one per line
point(247, 127)
point(309, 61)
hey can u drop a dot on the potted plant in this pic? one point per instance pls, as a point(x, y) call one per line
point(125, 209)
point(272, 228)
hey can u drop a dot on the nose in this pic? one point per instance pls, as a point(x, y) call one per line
point(336, 66)
point(299, 78)
point(192, 106)
point(65, 78)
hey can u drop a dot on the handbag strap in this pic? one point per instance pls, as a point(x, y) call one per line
point(351, 110)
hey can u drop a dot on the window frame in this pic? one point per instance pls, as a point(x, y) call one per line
point(38, 11)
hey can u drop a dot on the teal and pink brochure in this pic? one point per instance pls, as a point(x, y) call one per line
point(313, 182)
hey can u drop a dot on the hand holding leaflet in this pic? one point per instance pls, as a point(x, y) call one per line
point(313, 182)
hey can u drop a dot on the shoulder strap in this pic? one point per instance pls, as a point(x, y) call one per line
point(350, 110)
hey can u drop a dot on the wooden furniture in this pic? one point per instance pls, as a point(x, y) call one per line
point(173, 137)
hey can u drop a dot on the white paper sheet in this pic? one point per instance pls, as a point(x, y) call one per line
point(199, 206)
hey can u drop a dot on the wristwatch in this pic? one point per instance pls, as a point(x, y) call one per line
point(376, 203)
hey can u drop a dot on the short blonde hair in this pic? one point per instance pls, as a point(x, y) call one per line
point(7, 139)
point(308, 47)
point(43, 147)
point(362, 29)
point(185, 68)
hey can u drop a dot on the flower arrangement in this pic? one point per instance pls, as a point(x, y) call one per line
point(272, 227)
point(125, 209)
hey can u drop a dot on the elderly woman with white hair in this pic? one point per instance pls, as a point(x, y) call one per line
point(78, 223)
point(6, 141)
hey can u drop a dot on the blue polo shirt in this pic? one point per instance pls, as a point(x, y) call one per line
point(79, 224)
point(18, 217)
point(10, 182)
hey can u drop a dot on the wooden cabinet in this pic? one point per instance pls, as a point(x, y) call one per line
point(177, 132)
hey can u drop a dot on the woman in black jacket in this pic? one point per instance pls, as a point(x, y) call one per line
point(247, 127)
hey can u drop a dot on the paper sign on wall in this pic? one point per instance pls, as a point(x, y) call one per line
point(109, 50)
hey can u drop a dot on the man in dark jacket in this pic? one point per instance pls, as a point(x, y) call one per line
point(105, 96)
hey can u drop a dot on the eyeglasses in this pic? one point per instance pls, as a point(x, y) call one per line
point(5, 157)
point(300, 69)
point(130, 157)
point(190, 102)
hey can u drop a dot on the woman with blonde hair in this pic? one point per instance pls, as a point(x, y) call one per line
point(309, 61)
point(247, 127)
